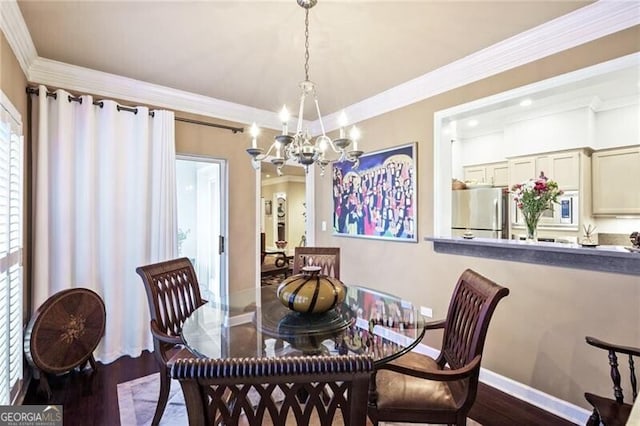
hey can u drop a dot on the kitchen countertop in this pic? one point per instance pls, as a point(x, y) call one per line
point(615, 259)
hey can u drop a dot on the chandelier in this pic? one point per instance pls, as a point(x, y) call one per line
point(300, 147)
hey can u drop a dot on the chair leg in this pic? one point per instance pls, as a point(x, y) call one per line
point(165, 387)
point(461, 419)
point(372, 419)
point(594, 419)
point(92, 362)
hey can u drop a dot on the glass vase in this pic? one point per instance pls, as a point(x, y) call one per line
point(531, 223)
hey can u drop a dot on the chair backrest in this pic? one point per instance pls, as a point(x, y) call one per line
point(472, 304)
point(172, 293)
point(278, 391)
point(613, 352)
point(327, 258)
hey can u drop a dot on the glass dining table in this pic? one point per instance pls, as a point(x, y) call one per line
point(255, 324)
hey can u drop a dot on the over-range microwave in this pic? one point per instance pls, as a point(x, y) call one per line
point(563, 214)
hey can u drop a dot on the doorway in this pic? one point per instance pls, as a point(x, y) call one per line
point(201, 185)
point(284, 207)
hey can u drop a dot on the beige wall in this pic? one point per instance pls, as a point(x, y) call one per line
point(12, 80)
point(537, 335)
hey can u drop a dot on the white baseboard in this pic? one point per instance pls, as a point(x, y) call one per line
point(550, 403)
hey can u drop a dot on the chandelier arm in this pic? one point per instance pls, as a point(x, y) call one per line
point(266, 154)
point(315, 99)
point(301, 113)
point(334, 148)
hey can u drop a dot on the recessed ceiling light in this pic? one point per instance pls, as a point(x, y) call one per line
point(526, 102)
point(472, 123)
point(267, 176)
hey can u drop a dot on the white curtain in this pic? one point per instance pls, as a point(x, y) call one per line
point(104, 204)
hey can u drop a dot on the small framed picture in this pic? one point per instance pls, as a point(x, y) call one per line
point(267, 208)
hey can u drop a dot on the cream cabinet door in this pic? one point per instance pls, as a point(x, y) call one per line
point(498, 174)
point(566, 170)
point(563, 168)
point(615, 181)
point(475, 174)
point(544, 165)
point(521, 169)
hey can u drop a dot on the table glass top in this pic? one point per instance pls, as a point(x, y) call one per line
point(256, 324)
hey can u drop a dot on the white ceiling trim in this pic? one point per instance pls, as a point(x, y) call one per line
point(17, 34)
point(586, 24)
point(581, 26)
point(75, 78)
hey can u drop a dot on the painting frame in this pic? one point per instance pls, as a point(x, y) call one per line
point(378, 199)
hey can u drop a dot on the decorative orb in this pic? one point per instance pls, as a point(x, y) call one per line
point(311, 292)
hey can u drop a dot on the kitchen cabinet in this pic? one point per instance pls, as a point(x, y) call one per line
point(497, 174)
point(616, 173)
point(475, 174)
point(521, 169)
point(562, 167)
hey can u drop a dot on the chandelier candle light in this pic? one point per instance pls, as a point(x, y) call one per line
point(534, 197)
point(300, 147)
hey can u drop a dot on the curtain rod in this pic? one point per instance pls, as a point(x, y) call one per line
point(54, 95)
point(204, 123)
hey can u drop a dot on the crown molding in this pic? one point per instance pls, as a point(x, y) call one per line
point(591, 22)
point(75, 78)
point(17, 34)
point(581, 26)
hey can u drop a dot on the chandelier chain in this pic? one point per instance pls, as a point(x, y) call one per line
point(306, 45)
point(300, 146)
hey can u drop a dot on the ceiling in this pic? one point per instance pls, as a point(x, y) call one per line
point(252, 52)
point(600, 91)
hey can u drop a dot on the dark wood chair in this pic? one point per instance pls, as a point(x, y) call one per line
point(327, 258)
point(613, 411)
point(419, 389)
point(272, 262)
point(173, 294)
point(279, 391)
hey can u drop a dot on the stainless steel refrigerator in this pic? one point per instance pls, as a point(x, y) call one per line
point(481, 211)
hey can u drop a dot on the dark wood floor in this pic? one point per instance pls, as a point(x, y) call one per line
point(92, 399)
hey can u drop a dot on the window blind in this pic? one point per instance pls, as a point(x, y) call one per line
point(11, 216)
